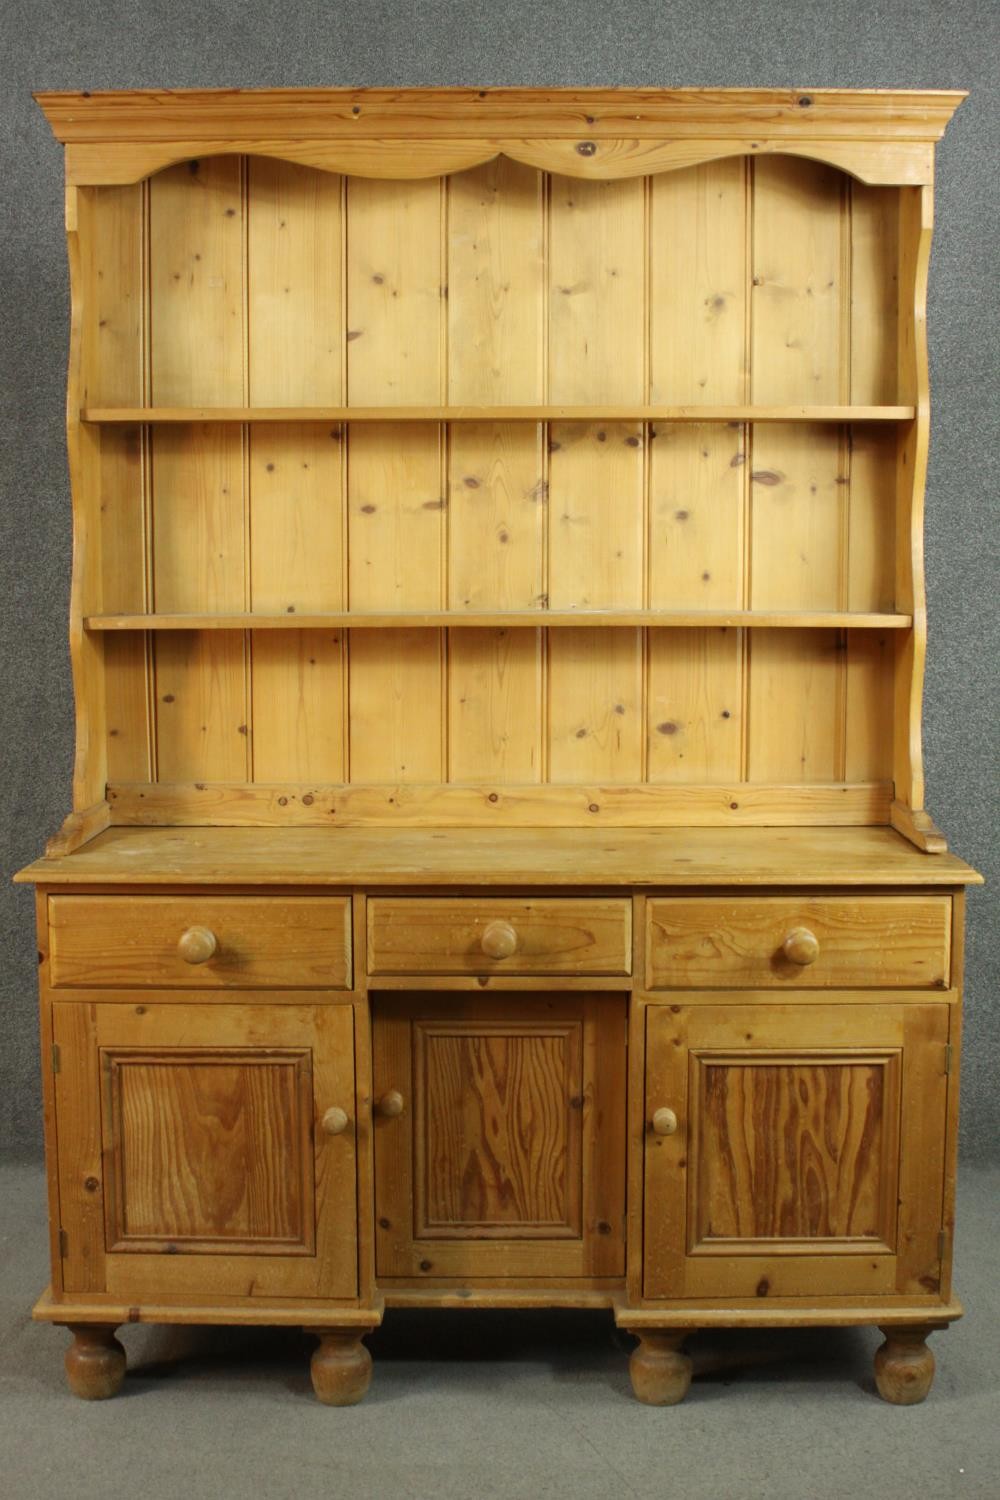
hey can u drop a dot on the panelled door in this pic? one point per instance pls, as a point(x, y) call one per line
point(207, 1149)
point(792, 1149)
point(499, 1136)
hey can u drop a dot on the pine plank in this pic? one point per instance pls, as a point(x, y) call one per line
point(495, 705)
point(294, 291)
point(596, 346)
point(197, 354)
point(699, 289)
point(695, 706)
point(916, 217)
point(643, 855)
point(699, 284)
point(636, 411)
point(84, 454)
point(868, 707)
point(395, 339)
point(297, 480)
point(496, 476)
point(201, 708)
point(798, 337)
point(798, 489)
point(475, 619)
point(798, 532)
point(117, 371)
point(879, 116)
point(874, 292)
point(872, 495)
point(196, 284)
point(297, 567)
point(795, 706)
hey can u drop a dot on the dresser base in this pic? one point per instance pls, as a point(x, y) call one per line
point(341, 1367)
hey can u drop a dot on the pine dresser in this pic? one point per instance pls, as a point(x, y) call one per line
point(498, 872)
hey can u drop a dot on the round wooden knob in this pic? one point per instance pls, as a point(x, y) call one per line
point(391, 1104)
point(197, 945)
point(499, 940)
point(335, 1121)
point(801, 946)
point(664, 1122)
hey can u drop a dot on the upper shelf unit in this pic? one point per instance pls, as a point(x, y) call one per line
point(129, 415)
point(496, 439)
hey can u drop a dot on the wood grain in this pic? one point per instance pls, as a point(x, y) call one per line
point(199, 558)
point(469, 1143)
point(395, 347)
point(796, 1220)
point(508, 856)
point(323, 1034)
point(297, 503)
point(445, 936)
point(497, 1148)
point(829, 1181)
point(540, 411)
point(511, 499)
point(285, 942)
point(502, 805)
point(596, 348)
point(414, 114)
point(881, 941)
point(497, 487)
point(205, 1150)
point(505, 620)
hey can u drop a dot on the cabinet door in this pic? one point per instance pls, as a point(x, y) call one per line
point(807, 1157)
point(192, 1157)
point(506, 1154)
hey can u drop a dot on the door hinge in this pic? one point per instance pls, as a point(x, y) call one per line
point(56, 1058)
point(949, 1053)
point(63, 1244)
point(942, 1243)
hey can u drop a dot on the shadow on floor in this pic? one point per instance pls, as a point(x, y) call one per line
point(571, 1345)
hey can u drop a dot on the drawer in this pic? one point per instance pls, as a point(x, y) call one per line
point(200, 941)
point(721, 942)
point(412, 935)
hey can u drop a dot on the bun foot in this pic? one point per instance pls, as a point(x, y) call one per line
point(341, 1366)
point(660, 1371)
point(904, 1366)
point(95, 1362)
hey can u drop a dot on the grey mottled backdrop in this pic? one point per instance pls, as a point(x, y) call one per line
point(780, 43)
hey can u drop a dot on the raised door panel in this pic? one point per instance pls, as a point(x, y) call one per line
point(192, 1158)
point(807, 1156)
point(210, 1150)
point(507, 1158)
point(496, 1102)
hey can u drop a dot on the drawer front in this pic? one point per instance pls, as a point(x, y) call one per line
point(795, 943)
point(200, 941)
point(410, 935)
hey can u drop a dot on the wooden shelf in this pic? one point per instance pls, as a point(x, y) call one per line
point(509, 619)
point(325, 855)
point(165, 414)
